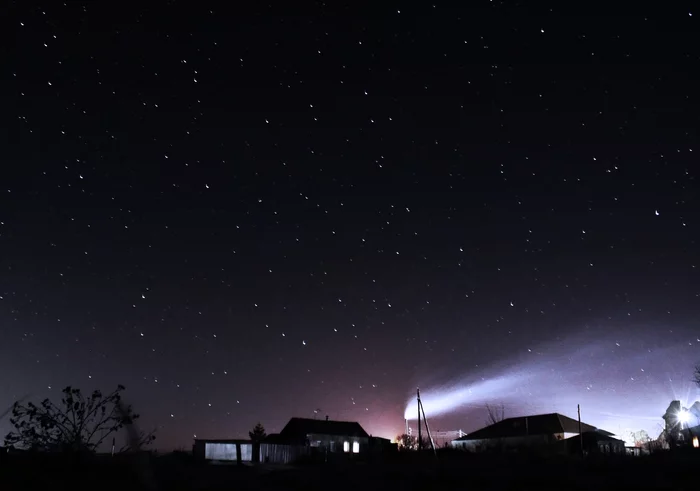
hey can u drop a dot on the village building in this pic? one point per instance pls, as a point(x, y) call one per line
point(300, 438)
point(551, 432)
point(332, 436)
point(681, 426)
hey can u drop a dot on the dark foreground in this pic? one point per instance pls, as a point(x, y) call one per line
point(453, 471)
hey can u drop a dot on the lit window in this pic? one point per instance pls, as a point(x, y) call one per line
point(346, 446)
point(355, 447)
point(696, 443)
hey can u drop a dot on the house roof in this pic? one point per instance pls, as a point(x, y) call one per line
point(298, 428)
point(539, 424)
point(593, 437)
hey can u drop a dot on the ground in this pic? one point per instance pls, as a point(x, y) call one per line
point(456, 470)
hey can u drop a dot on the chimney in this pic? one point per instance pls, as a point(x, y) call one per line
point(326, 417)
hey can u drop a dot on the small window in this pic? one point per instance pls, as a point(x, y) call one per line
point(355, 447)
point(696, 443)
point(346, 446)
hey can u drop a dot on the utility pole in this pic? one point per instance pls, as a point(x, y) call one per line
point(580, 434)
point(420, 440)
point(427, 428)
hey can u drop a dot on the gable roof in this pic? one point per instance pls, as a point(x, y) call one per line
point(539, 424)
point(298, 428)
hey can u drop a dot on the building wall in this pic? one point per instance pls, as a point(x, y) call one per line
point(611, 447)
point(336, 443)
point(509, 442)
point(220, 451)
point(226, 451)
point(246, 452)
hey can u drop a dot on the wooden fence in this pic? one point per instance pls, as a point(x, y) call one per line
point(281, 454)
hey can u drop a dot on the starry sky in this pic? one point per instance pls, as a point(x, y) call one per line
point(247, 214)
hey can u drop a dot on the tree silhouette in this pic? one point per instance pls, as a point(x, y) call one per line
point(495, 414)
point(408, 443)
point(78, 423)
point(258, 434)
point(138, 441)
point(9, 409)
point(640, 438)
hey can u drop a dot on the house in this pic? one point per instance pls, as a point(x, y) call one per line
point(681, 425)
point(324, 434)
point(300, 438)
point(692, 436)
point(381, 444)
point(539, 430)
point(677, 417)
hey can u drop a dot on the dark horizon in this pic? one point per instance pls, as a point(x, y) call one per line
point(251, 214)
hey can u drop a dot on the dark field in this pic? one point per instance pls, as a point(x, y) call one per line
point(676, 471)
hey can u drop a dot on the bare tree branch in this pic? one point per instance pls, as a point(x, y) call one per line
point(495, 414)
point(142, 440)
point(78, 423)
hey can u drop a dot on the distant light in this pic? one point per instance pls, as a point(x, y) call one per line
point(684, 417)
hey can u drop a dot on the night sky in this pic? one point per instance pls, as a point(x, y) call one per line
point(256, 213)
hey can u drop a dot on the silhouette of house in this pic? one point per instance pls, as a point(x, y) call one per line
point(595, 442)
point(682, 425)
point(325, 434)
point(677, 416)
point(300, 438)
point(538, 430)
point(691, 436)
